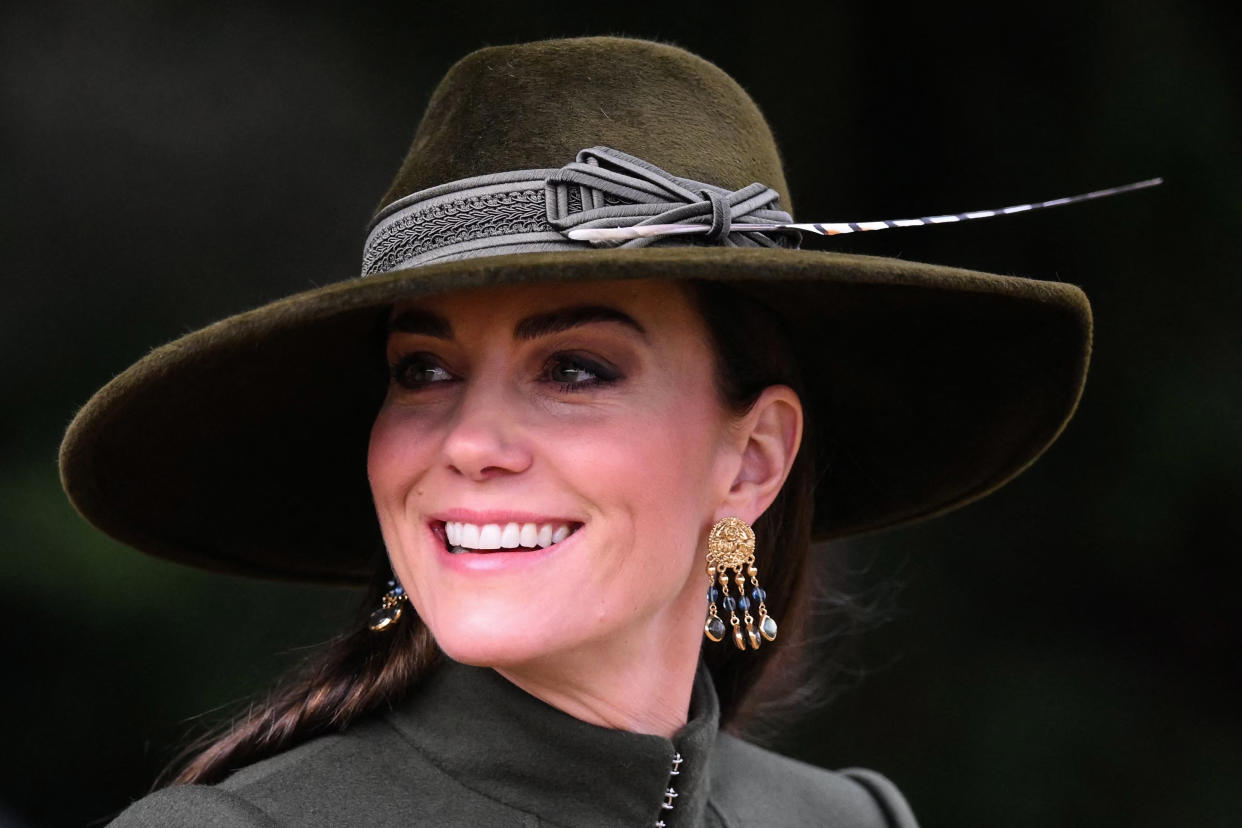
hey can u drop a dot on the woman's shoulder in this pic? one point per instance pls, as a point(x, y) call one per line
point(182, 806)
point(367, 775)
point(754, 786)
point(256, 795)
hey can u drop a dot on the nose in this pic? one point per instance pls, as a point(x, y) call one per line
point(484, 437)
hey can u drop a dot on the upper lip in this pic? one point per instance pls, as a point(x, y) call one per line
point(482, 518)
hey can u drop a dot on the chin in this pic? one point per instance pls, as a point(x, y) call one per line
point(484, 640)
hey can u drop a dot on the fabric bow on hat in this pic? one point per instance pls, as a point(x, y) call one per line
point(614, 189)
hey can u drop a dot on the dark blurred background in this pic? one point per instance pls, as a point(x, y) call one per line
point(1064, 652)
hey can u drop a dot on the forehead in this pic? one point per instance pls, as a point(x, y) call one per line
point(653, 302)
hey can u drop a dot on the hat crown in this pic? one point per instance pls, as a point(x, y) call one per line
point(536, 105)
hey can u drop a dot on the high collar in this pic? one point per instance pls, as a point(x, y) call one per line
point(498, 740)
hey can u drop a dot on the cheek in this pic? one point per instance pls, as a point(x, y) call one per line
point(654, 470)
point(397, 455)
point(383, 454)
point(679, 441)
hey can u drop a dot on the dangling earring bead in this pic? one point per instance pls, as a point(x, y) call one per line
point(389, 612)
point(767, 624)
point(731, 546)
point(714, 629)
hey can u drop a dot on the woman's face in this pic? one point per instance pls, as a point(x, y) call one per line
point(575, 427)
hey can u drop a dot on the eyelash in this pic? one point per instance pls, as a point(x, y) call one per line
point(403, 366)
point(602, 374)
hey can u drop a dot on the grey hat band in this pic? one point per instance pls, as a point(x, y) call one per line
point(532, 210)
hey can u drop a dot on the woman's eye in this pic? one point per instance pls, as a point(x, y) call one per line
point(574, 373)
point(419, 371)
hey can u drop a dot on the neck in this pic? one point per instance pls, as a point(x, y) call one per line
point(640, 683)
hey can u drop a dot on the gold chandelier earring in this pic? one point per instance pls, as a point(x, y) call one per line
point(389, 612)
point(731, 546)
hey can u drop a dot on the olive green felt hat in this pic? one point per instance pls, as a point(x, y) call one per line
point(242, 446)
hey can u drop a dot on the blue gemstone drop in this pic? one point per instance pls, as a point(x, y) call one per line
point(744, 603)
point(759, 594)
point(729, 603)
point(713, 595)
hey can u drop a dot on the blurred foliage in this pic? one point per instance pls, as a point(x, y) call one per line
point(1064, 652)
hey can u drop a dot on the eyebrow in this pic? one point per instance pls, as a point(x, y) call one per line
point(562, 319)
point(427, 323)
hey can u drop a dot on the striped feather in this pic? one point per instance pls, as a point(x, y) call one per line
point(612, 234)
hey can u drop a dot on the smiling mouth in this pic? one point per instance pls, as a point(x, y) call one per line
point(460, 538)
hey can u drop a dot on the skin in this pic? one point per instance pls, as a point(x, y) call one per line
point(616, 431)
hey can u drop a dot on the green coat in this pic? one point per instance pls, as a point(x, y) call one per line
point(471, 749)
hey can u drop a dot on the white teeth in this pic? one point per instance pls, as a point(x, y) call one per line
point(503, 536)
point(530, 533)
point(489, 537)
point(509, 536)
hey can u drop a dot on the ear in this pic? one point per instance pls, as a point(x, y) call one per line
point(768, 437)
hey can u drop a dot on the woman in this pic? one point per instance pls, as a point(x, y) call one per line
point(566, 446)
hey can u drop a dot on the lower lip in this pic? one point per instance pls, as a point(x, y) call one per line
point(495, 560)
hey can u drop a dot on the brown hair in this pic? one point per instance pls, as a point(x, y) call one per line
point(361, 671)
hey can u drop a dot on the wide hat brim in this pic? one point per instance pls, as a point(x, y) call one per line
point(241, 447)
